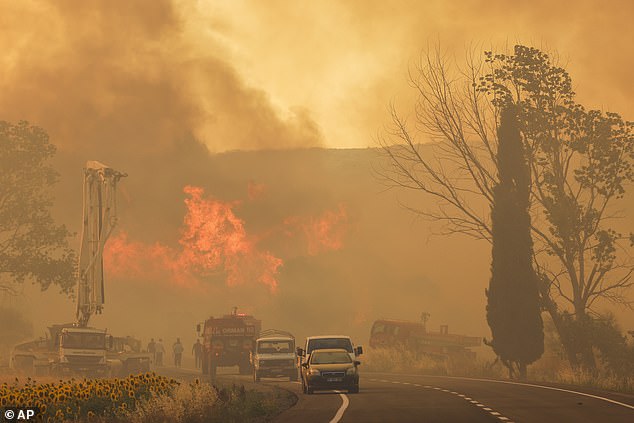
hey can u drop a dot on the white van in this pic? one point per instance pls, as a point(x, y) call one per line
point(327, 342)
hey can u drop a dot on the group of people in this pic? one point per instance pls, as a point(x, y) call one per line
point(157, 349)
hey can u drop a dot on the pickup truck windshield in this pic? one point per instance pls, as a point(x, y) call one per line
point(329, 343)
point(273, 347)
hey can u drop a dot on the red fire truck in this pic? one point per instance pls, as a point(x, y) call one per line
point(228, 341)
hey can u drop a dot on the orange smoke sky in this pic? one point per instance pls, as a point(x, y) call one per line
point(214, 241)
point(243, 74)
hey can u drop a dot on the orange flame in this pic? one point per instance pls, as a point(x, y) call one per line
point(213, 240)
point(255, 190)
point(322, 233)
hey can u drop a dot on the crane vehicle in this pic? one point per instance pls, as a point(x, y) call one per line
point(76, 348)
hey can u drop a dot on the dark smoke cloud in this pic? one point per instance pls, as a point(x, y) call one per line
point(101, 76)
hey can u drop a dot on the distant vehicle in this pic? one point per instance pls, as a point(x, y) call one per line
point(69, 351)
point(326, 342)
point(125, 357)
point(229, 341)
point(330, 369)
point(414, 337)
point(274, 355)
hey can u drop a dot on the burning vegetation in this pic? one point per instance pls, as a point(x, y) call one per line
point(214, 240)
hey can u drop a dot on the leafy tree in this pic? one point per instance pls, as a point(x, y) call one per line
point(513, 310)
point(580, 162)
point(32, 246)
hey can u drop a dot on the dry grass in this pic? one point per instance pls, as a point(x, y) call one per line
point(399, 360)
point(551, 368)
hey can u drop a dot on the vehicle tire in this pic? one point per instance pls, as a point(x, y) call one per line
point(354, 390)
point(256, 376)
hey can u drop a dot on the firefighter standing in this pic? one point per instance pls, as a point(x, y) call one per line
point(151, 348)
point(197, 351)
point(178, 349)
point(159, 351)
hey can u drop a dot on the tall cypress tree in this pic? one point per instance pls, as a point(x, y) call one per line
point(513, 310)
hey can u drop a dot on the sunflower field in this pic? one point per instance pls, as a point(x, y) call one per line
point(106, 399)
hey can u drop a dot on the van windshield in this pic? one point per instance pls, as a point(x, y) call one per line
point(329, 343)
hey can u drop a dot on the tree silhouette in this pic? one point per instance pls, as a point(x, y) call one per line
point(513, 310)
point(32, 246)
point(580, 162)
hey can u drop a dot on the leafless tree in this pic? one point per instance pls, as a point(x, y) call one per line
point(580, 164)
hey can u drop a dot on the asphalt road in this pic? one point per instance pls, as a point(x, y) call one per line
point(400, 398)
point(412, 398)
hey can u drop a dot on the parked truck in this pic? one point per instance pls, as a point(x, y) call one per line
point(228, 341)
point(414, 337)
point(126, 357)
point(68, 350)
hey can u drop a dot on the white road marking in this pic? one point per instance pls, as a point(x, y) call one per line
point(476, 403)
point(342, 409)
point(534, 386)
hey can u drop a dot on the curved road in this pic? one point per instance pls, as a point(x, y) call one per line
point(402, 398)
point(413, 398)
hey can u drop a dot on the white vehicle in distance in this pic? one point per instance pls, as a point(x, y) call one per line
point(274, 355)
point(327, 342)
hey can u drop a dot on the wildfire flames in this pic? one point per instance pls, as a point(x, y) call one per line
point(322, 233)
point(213, 241)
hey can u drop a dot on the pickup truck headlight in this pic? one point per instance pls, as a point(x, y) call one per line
point(351, 371)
